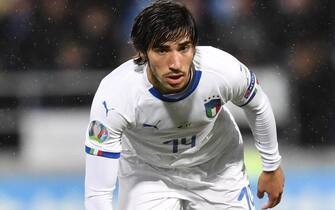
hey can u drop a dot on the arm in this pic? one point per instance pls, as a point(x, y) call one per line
point(262, 123)
point(103, 148)
point(100, 180)
point(242, 88)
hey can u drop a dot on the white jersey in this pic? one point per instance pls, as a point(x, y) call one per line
point(129, 116)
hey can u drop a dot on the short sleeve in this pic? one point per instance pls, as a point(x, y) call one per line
point(105, 128)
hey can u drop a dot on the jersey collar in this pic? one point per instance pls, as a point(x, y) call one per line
point(181, 95)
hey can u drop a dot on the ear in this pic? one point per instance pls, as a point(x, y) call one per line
point(143, 56)
point(140, 58)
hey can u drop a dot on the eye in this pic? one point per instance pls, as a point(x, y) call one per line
point(185, 48)
point(161, 50)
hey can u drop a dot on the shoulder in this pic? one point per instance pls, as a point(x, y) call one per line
point(120, 89)
point(209, 58)
point(212, 60)
point(122, 78)
point(208, 55)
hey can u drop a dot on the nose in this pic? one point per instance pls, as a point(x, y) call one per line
point(175, 60)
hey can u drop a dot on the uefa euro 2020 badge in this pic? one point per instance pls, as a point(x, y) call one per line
point(98, 132)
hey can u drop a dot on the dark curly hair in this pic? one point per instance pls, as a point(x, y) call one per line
point(161, 22)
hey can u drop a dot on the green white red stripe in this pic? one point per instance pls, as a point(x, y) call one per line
point(101, 153)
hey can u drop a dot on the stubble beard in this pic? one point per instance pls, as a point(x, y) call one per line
point(164, 87)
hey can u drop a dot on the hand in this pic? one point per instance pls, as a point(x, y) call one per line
point(271, 182)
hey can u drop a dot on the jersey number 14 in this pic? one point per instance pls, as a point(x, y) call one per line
point(181, 143)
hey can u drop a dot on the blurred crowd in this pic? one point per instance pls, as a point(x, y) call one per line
point(295, 35)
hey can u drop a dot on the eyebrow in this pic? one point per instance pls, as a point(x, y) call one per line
point(166, 46)
point(187, 42)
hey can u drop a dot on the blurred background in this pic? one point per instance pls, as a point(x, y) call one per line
point(53, 54)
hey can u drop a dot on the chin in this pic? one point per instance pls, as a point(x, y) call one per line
point(175, 89)
point(169, 89)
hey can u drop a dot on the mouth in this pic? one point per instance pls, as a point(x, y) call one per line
point(174, 80)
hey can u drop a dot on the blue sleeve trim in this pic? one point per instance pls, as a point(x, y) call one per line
point(252, 90)
point(101, 153)
point(251, 85)
point(251, 97)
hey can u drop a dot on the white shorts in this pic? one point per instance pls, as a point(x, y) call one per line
point(144, 187)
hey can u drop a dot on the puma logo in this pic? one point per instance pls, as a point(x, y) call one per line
point(104, 103)
point(145, 125)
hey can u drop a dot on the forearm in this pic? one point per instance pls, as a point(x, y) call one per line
point(100, 180)
point(262, 123)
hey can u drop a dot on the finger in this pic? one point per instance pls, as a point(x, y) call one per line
point(260, 194)
point(272, 202)
point(268, 205)
point(278, 199)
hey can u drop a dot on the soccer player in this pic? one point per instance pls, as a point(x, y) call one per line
point(160, 126)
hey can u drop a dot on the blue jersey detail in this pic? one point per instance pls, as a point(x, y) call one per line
point(101, 153)
point(251, 85)
point(252, 90)
point(245, 193)
point(179, 96)
point(252, 96)
point(104, 103)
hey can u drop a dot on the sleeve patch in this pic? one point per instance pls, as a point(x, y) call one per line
point(251, 85)
point(252, 88)
point(98, 132)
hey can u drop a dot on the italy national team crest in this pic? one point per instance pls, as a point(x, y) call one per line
point(213, 107)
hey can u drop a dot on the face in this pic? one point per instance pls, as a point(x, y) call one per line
point(169, 65)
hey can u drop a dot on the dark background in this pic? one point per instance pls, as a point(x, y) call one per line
point(42, 41)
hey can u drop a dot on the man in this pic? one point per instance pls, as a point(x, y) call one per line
point(159, 123)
